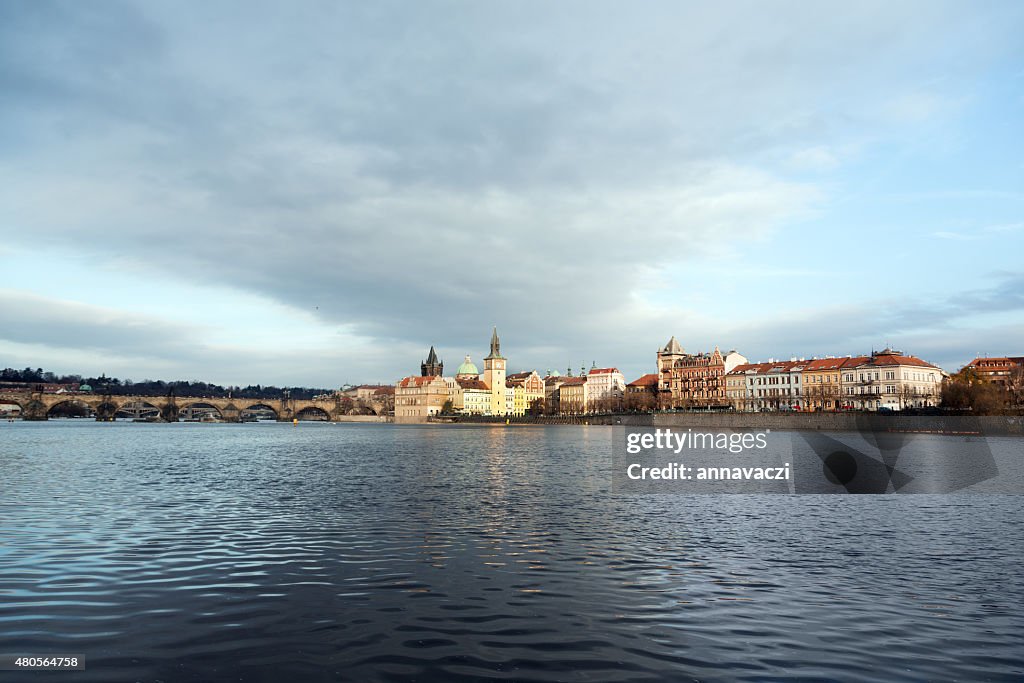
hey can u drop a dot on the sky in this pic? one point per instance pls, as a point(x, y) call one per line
point(314, 193)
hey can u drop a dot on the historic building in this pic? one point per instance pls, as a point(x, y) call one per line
point(474, 397)
point(774, 385)
point(822, 383)
point(552, 381)
point(528, 392)
point(494, 375)
point(467, 370)
point(606, 389)
point(693, 380)
point(888, 379)
point(418, 398)
point(642, 393)
point(432, 367)
point(475, 393)
point(996, 370)
point(572, 396)
point(885, 379)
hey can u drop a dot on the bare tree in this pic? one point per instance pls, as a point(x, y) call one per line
point(1015, 386)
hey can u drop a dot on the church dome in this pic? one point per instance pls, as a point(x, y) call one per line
point(467, 368)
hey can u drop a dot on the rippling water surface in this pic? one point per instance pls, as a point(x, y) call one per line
point(350, 552)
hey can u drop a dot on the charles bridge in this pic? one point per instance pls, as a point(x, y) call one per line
point(37, 406)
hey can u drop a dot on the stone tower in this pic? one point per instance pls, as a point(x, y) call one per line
point(494, 375)
point(432, 367)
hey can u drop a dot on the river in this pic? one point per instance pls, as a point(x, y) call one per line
point(363, 552)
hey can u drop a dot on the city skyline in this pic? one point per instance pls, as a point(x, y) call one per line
point(246, 193)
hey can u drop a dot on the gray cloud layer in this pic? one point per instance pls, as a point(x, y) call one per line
point(423, 171)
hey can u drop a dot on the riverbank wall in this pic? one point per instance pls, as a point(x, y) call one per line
point(826, 422)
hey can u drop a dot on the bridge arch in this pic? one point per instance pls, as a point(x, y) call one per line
point(258, 406)
point(11, 408)
point(187, 411)
point(365, 409)
point(313, 413)
point(138, 409)
point(72, 404)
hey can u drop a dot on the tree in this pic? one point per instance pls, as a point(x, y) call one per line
point(536, 407)
point(1015, 386)
point(966, 390)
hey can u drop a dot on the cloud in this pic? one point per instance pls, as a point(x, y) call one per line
point(29, 318)
point(421, 173)
point(813, 159)
point(69, 336)
point(958, 236)
point(940, 327)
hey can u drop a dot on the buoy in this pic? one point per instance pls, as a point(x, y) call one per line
point(295, 421)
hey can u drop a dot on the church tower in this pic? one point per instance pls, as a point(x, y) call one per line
point(494, 375)
point(432, 367)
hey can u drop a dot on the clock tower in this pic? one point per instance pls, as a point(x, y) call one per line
point(494, 375)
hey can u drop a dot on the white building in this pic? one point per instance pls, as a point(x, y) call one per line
point(606, 389)
point(775, 385)
point(891, 380)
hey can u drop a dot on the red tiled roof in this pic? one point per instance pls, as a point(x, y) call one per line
point(472, 384)
point(602, 371)
point(416, 381)
point(574, 381)
point(645, 381)
point(765, 368)
point(997, 362)
point(384, 391)
point(520, 375)
point(819, 364)
point(897, 359)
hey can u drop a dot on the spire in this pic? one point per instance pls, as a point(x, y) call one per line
point(495, 345)
point(432, 367)
point(673, 346)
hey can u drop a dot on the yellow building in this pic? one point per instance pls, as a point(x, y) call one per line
point(494, 375)
point(572, 396)
point(529, 391)
point(822, 379)
point(475, 397)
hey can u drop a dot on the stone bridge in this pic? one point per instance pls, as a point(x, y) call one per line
point(37, 406)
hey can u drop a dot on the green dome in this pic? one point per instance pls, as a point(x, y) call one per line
point(467, 368)
point(85, 387)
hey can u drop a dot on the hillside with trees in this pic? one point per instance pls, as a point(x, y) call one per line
point(30, 378)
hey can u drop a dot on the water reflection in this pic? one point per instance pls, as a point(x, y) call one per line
point(369, 552)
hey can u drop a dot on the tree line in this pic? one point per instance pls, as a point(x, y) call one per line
point(970, 391)
point(148, 387)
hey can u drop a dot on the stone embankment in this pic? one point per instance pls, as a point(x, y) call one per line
point(828, 422)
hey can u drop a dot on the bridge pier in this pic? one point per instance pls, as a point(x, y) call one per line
point(169, 412)
point(105, 411)
point(35, 411)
